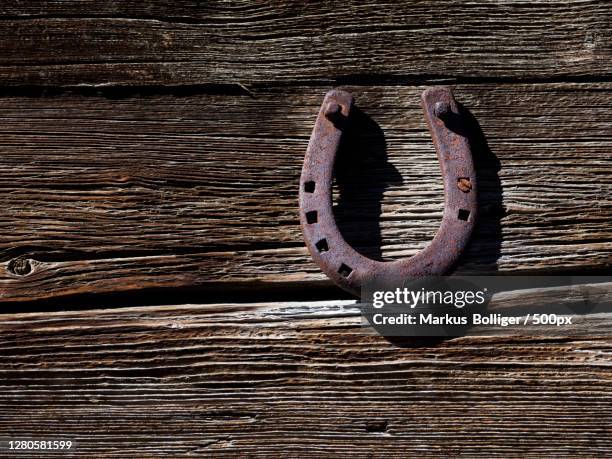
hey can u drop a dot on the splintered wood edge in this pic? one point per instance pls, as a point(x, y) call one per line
point(333, 313)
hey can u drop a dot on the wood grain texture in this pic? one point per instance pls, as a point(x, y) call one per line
point(191, 184)
point(187, 42)
point(113, 194)
point(294, 379)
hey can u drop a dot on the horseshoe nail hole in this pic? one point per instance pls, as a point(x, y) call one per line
point(311, 217)
point(322, 245)
point(309, 187)
point(344, 270)
point(463, 215)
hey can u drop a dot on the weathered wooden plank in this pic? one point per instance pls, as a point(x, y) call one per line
point(287, 379)
point(103, 194)
point(185, 42)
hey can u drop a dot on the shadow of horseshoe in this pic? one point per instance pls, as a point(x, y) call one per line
point(362, 174)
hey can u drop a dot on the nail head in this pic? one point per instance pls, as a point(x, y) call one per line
point(442, 109)
point(332, 110)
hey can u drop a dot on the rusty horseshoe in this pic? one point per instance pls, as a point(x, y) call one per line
point(336, 258)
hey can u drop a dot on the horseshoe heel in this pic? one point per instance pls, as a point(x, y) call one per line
point(337, 259)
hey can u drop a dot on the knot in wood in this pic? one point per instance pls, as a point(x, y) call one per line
point(20, 266)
